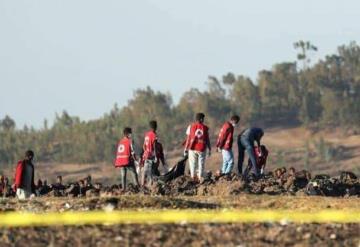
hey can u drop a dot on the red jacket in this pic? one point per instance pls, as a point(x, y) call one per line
point(149, 145)
point(260, 161)
point(124, 153)
point(226, 137)
point(198, 139)
point(19, 176)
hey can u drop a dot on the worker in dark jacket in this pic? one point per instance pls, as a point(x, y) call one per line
point(246, 141)
point(24, 177)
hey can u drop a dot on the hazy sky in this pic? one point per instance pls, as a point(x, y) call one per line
point(85, 55)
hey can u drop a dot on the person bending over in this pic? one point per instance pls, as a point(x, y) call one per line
point(246, 141)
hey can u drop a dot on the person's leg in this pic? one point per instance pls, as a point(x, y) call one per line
point(155, 169)
point(192, 163)
point(133, 175)
point(123, 177)
point(149, 175)
point(241, 149)
point(146, 173)
point(201, 162)
point(251, 153)
point(229, 156)
point(225, 161)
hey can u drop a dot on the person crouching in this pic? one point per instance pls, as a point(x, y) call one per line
point(24, 177)
point(125, 159)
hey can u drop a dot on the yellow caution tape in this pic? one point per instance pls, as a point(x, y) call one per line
point(18, 219)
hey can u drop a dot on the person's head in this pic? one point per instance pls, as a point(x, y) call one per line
point(200, 117)
point(29, 155)
point(39, 183)
point(97, 186)
point(59, 179)
point(260, 134)
point(153, 125)
point(292, 171)
point(283, 170)
point(235, 120)
point(127, 132)
point(278, 173)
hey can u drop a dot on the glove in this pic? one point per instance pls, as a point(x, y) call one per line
point(186, 153)
point(218, 150)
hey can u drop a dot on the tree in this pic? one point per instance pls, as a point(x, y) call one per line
point(244, 99)
point(7, 124)
point(305, 48)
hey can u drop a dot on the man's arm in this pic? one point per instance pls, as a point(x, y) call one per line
point(208, 143)
point(221, 139)
point(188, 143)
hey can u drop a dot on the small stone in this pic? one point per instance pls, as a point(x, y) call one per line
point(119, 239)
point(307, 236)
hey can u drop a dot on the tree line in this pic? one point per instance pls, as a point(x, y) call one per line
point(324, 94)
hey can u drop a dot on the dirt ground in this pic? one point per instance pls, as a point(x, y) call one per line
point(259, 234)
point(242, 202)
point(266, 234)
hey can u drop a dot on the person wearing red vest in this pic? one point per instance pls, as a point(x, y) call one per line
point(261, 156)
point(225, 143)
point(198, 141)
point(24, 177)
point(149, 154)
point(125, 159)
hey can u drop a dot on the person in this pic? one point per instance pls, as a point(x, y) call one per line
point(125, 159)
point(38, 187)
point(7, 190)
point(261, 156)
point(45, 188)
point(82, 188)
point(246, 141)
point(2, 178)
point(24, 177)
point(225, 143)
point(197, 143)
point(58, 187)
point(149, 157)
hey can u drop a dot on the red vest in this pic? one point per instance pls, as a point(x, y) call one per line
point(260, 161)
point(149, 145)
point(226, 137)
point(123, 153)
point(199, 137)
